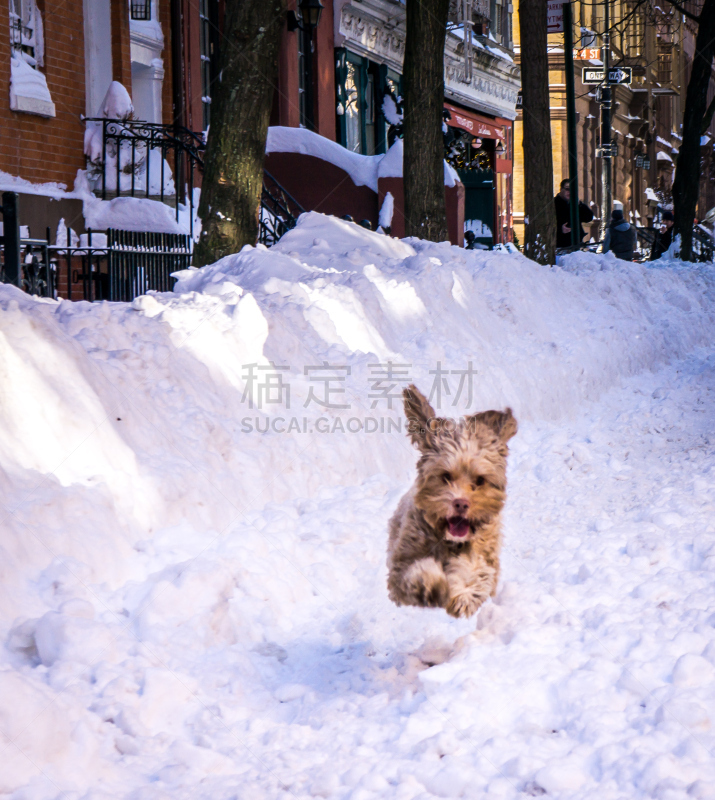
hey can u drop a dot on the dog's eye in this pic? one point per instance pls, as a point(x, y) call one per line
point(479, 481)
point(446, 477)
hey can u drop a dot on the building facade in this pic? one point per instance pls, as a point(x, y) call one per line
point(60, 60)
point(658, 43)
point(358, 53)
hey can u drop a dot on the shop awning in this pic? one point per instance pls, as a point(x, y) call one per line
point(474, 123)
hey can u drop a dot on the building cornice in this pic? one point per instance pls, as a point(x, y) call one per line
point(375, 29)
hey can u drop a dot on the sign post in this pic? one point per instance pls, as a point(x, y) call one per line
point(571, 126)
point(555, 16)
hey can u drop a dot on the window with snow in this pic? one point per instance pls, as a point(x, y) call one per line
point(28, 86)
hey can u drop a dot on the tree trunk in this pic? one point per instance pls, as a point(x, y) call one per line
point(241, 107)
point(686, 186)
point(423, 168)
point(540, 215)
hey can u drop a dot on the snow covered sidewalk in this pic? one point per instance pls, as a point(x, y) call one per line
point(194, 610)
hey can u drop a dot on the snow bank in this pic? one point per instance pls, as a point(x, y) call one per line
point(191, 607)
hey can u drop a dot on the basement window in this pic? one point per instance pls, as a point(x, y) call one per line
point(28, 86)
point(140, 10)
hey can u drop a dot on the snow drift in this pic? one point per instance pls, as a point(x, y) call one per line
point(192, 556)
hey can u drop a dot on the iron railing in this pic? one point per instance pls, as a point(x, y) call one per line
point(37, 273)
point(134, 162)
point(116, 265)
point(279, 211)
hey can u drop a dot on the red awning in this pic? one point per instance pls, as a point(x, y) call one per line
point(474, 123)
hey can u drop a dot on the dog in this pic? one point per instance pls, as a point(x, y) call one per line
point(445, 536)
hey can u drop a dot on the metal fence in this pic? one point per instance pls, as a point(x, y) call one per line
point(116, 266)
point(138, 159)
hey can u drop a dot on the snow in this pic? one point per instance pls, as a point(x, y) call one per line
point(28, 89)
point(386, 210)
point(651, 195)
point(364, 170)
point(661, 156)
point(191, 608)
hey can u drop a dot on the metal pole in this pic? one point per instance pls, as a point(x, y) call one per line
point(11, 237)
point(308, 44)
point(571, 126)
point(606, 100)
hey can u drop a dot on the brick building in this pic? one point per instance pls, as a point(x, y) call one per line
point(60, 59)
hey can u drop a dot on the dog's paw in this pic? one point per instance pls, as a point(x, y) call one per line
point(427, 583)
point(465, 603)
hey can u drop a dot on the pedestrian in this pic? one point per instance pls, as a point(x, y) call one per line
point(663, 236)
point(562, 204)
point(620, 237)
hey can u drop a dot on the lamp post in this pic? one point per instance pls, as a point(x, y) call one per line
point(310, 11)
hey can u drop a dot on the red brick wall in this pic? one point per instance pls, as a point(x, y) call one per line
point(33, 147)
point(121, 45)
point(167, 97)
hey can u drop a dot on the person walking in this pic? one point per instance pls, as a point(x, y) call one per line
point(620, 237)
point(663, 237)
point(562, 206)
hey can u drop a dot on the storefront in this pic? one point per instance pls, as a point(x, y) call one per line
point(484, 164)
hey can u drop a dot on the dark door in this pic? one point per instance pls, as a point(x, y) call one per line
point(479, 204)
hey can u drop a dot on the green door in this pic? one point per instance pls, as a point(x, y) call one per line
point(479, 204)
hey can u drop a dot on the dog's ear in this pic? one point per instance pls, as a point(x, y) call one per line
point(420, 415)
point(501, 422)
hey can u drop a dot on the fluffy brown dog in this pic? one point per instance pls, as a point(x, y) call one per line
point(445, 536)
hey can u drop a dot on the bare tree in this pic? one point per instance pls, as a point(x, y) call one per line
point(423, 169)
point(240, 111)
point(696, 119)
point(540, 216)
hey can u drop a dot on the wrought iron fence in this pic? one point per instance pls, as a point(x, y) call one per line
point(279, 211)
point(37, 273)
point(116, 266)
point(134, 162)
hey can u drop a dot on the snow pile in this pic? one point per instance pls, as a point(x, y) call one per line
point(193, 608)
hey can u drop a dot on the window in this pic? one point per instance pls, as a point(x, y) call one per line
point(361, 88)
point(353, 127)
point(26, 35)
point(140, 9)
point(28, 86)
point(208, 22)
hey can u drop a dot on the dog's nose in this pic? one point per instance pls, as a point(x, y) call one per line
point(460, 506)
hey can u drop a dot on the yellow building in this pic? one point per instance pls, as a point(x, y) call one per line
point(658, 44)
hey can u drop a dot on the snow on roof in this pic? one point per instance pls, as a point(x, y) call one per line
point(651, 195)
point(661, 156)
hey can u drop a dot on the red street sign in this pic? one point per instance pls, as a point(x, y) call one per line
point(555, 16)
point(587, 54)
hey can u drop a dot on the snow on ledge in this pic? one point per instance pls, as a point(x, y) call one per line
point(364, 170)
point(28, 90)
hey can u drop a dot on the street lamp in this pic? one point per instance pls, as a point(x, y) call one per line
point(310, 11)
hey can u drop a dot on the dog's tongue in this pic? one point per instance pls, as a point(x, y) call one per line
point(458, 527)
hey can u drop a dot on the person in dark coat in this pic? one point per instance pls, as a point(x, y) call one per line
point(620, 237)
point(563, 216)
point(663, 237)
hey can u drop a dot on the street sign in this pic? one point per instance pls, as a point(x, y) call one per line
point(519, 101)
point(623, 75)
point(554, 16)
point(587, 54)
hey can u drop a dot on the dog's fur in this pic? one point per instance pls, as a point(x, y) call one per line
point(445, 536)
